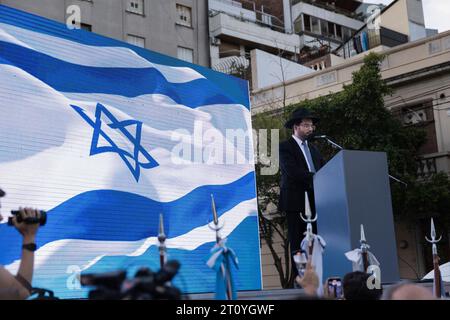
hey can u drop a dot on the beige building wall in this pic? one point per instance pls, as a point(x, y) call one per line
point(271, 278)
point(410, 266)
point(396, 17)
point(157, 25)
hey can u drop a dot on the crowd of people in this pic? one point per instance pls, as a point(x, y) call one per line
point(355, 287)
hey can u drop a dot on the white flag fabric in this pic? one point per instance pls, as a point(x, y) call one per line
point(319, 245)
point(105, 136)
point(355, 256)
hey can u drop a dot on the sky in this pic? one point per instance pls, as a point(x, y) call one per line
point(437, 13)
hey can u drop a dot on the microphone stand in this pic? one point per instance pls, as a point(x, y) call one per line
point(335, 145)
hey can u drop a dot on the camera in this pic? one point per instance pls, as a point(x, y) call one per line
point(42, 220)
point(146, 284)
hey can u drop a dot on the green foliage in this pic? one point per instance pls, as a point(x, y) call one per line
point(426, 198)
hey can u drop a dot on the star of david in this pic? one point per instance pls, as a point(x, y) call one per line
point(131, 159)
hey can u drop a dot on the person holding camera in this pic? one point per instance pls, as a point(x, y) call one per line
point(19, 287)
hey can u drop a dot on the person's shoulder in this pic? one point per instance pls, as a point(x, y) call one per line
point(286, 143)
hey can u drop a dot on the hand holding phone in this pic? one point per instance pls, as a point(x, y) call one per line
point(334, 286)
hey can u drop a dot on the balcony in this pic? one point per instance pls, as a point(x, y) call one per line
point(346, 8)
point(367, 39)
point(433, 163)
point(325, 14)
point(258, 35)
point(246, 10)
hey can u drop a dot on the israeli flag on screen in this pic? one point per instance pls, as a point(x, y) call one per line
point(105, 136)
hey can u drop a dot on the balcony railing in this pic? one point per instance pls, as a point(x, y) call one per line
point(238, 66)
point(262, 18)
point(426, 167)
point(374, 38)
point(333, 8)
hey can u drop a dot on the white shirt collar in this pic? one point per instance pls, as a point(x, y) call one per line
point(299, 141)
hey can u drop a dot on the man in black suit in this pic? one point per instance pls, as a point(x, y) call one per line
point(299, 160)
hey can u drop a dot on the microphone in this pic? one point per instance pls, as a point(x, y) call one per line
point(326, 138)
point(316, 137)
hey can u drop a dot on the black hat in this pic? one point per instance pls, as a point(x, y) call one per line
point(299, 114)
point(2, 193)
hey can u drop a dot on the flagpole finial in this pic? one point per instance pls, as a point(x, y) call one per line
point(363, 241)
point(162, 238)
point(433, 229)
point(213, 206)
point(216, 226)
point(433, 239)
point(363, 236)
point(307, 207)
point(161, 226)
point(308, 214)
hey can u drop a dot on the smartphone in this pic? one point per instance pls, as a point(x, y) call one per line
point(335, 288)
point(300, 262)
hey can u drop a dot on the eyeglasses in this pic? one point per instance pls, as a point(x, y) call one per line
point(306, 126)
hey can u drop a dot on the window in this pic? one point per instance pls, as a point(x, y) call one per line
point(347, 33)
point(307, 22)
point(315, 28)
point(135, 6)
point(186, 54)
point(298, 25)
point(338, 32)
point(85, 26)
point(184, 15)
point(331, 29)
point(136, 41)
point(324, 27)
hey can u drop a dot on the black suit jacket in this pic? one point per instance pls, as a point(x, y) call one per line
point(295, 176)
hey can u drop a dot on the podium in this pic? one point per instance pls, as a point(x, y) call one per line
point(350, 190)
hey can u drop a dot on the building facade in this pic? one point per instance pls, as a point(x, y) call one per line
point(178, 28)
point(297, 31)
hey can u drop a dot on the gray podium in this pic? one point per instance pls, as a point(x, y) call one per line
point(350, 190)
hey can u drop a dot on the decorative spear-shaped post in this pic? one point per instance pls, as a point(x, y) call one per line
point(437, 284)
point(313, 244)
point(309, 220)
point(220, 261)
point(361, 257)
point(162, 242)
point(364, 249)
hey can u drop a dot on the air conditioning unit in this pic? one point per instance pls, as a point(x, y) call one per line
point(414, 117)
point(215, 41)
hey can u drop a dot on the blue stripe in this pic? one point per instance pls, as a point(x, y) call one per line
point(235, 88)
point(120, 216)
point(128, 82)
point(194, 275)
